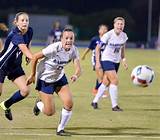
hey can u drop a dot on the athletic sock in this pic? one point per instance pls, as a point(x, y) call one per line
point(16, 97)
point(100, 93)
point(65, 117)
point(40, 106)
point(113, 91)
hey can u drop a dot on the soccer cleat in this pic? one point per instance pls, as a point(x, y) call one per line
point(94, 105)
point(8, 113)
point(61, 133)
point(117, 108)
point(36, 110)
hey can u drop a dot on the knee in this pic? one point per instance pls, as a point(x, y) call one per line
point(49, 112)
point(25, 91)
point(68, 105)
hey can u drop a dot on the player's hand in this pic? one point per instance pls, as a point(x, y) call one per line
point(125, 65)
point(74, 78)
point(30, 80)
point(98, 66)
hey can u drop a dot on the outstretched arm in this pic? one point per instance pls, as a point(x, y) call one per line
point(85, 53)
point(124, 62)
point(77, 70)
point(36, 57)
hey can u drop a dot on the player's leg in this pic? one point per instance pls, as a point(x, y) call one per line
point(113, 89)
point(66, 97)
point(101, 91)
point(19, 95)
point(45, 103)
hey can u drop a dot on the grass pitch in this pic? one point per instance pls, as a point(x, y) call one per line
point(139, 120)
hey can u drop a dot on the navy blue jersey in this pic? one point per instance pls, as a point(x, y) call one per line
point(94, 42)
point(56, 33)
point(11, 56)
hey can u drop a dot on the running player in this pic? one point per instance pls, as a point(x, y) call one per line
point(102, 29)
point(51, 77)
point(17, 43)
point(113, 53)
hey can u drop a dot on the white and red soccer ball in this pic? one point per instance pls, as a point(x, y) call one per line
point(142, 75)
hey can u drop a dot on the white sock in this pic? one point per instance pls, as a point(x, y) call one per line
point(113, 91)
point(65, 117)
point(40, 106)
point(100, 93)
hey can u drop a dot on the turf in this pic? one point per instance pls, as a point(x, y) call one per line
point(139, 120)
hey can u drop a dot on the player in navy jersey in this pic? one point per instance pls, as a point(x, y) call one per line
point(17, 43)
point(55, 33)
point(51, 77)
point(113, 53)
point(93, 43)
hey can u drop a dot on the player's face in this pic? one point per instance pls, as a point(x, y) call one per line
point(102, 30)
point(119, 26)
point(67, 40)
point(23, 22)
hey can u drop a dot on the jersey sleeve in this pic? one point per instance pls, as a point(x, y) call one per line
point(75, 53)
point(17, 39)
point(125, 37)
point(105, 38)
point(49, 51)
point(92, 44)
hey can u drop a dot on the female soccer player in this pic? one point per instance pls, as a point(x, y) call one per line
point(113, 53)
point(4, 28)
point(99, 72)
point(16, 44)
point(51, 77)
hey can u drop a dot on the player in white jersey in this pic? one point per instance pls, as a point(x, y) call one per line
point(113, 53)
point(51, 77)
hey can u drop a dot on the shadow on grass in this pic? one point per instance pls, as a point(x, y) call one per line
point(99, 131)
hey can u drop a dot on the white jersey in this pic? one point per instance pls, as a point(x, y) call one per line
point(50, 69)
point(114, 43)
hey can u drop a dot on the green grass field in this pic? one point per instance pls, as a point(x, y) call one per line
point(139, 120)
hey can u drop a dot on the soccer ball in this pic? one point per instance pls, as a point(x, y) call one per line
point(142, 75)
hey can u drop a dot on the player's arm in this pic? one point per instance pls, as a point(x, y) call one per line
point(98, 49)
point(26, 51)
point(85, 53)
point(77, 68)
point(26, 58)
point(124, 62)
point(34, 62)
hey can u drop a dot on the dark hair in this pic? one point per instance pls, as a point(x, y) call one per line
point(67, 29)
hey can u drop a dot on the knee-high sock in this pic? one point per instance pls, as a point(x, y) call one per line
point(16, 97)
point(100, 93)
point(113, 91)
point(65, 117)
point(40, 106)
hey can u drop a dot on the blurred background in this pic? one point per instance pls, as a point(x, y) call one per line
point(142, 18)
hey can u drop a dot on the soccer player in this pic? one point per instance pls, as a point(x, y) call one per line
point(51, 77)
point(113, 53)
point(55, 33)
point(102, 29)
point(4, 28)
point(17, 43)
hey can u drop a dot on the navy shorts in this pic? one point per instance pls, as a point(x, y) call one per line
point(11, 74)
point(50, 88)
point(108, 65)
